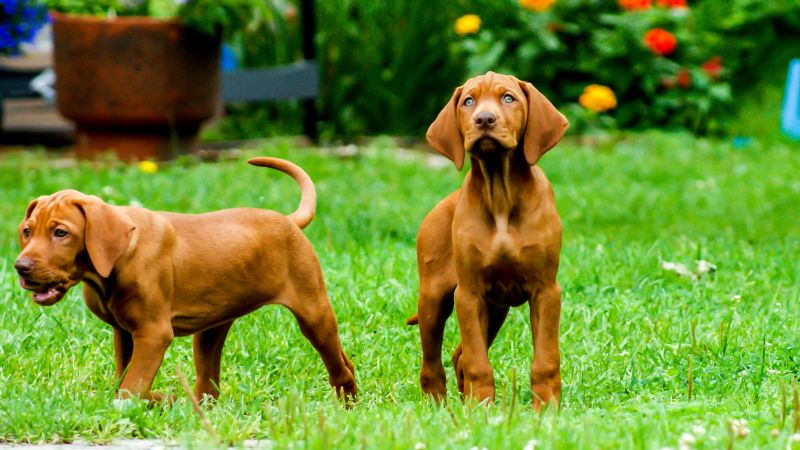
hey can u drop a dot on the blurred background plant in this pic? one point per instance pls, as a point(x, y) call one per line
point(19, 22)
point(388, 67)
point(651, 55)
point(705, 66)
point(229, 17)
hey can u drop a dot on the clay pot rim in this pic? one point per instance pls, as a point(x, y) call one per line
point(126, 20)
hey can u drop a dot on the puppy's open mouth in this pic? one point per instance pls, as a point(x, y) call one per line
point(44, 294)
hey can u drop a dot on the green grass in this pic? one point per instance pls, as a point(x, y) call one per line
point(626, 330)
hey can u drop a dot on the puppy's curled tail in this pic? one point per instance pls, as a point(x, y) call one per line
point(413, 320)
point(304, 213)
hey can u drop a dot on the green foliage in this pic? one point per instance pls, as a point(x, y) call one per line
point(748, 32)
point(388, 67)
point(579, 42)
point(629, 330)
point(209, 16)
point(385, 65)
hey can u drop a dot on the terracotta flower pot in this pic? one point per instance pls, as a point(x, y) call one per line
point(137, 86)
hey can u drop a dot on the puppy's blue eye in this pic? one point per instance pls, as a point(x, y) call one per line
point(469, 101)
point(508, 98)
point(59, 233)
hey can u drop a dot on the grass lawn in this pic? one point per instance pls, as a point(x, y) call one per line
point(630, 329)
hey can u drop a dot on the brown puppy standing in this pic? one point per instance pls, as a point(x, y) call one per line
point(495, 242)
point(156, 275)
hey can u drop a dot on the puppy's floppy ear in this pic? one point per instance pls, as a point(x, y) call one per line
point(546, 126)
point(108, 233)
point(444, 133)
point(31, 207)
point(28, 212)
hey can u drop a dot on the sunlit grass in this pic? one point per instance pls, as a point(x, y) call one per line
point(629, 330)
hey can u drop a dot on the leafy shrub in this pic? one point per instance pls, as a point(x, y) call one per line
point(660, 66)
point(388, 67)
point(209, 16)
point(385, 65)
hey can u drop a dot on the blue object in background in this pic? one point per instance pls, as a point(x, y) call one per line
point(790, 117)
point(227, 60)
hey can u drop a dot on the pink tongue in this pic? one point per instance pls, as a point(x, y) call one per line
point(45, 296)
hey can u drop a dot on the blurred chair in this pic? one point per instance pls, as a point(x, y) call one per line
point(790, 117)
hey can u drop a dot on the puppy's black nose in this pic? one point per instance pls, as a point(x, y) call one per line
point(24, 266)
point(485, 120)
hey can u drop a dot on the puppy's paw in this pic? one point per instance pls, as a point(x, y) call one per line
point(160, 399)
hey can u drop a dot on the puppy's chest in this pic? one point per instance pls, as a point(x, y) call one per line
point(502, 246)
point(507, 260)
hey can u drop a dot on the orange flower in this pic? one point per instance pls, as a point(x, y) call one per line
point(635, 5)
point(660, 41)
point(672, 3)
point(598, 98)
point(537, 5)
point(713, 67)
point(468, 24)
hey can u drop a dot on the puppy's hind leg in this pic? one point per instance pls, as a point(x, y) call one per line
point(435, 306)
point(207, 349)
point(318, 323)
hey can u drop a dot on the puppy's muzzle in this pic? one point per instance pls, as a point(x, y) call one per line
point(24, 266)
point(485, 120)
point(45, 293)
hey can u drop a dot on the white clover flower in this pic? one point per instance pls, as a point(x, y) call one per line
point(419, 446)
point(677, 268)
point(794, 438)
point(698, 429)
point(686, 441)
point(496, 420)
point(739, 428)
point(531, 445)
point(704, 267)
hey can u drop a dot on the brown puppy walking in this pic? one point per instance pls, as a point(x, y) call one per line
point(156, 275)
point(495, 242)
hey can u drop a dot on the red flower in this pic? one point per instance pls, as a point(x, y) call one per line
point(635, 5)
point(684, 78)
point(660, 41)
point(672, 3)
point(713, 67)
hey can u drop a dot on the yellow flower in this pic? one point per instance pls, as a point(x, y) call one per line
point(537, 5)
point(468, 24)
point(148, 167)
point(598, 98)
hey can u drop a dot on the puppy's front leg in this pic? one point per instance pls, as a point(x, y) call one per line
point(546, 368)
point(473, 325)
point(123, 349)
point(150, 342)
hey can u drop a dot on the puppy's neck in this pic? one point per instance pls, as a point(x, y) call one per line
point(497, 179)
